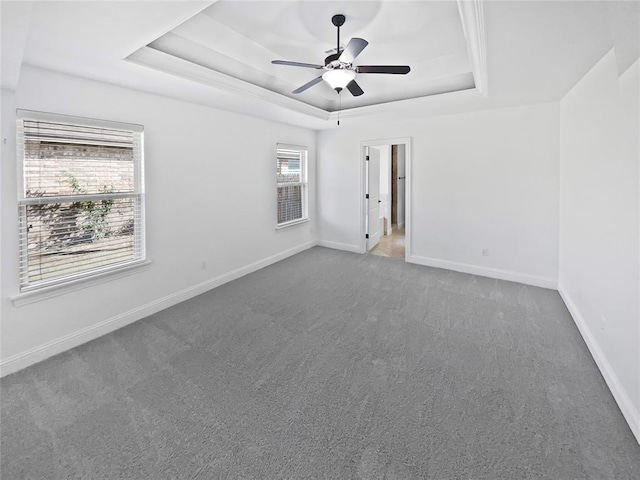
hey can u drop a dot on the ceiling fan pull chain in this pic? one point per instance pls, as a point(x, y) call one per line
point(339, 106)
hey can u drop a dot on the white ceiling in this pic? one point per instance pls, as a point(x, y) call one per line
point(533, 51)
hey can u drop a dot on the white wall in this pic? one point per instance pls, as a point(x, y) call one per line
point(7, 145)
point(479, 180)
point(599, 274)
point(210, 197)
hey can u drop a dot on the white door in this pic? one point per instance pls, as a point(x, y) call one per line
point(374, 222)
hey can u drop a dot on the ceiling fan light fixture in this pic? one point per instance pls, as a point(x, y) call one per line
point(338, 78)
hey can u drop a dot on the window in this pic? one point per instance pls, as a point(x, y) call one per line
point(81, 197)
point(291, 177)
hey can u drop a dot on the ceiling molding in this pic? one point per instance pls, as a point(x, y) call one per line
point(170, 64)
point(163, 62)
point(472, 17)
point(166, 63)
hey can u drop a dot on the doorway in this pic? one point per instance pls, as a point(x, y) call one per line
point(386, 205)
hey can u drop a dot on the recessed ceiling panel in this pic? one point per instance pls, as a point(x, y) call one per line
point(240, 39)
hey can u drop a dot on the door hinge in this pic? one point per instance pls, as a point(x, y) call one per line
point(366, 235)
point(367, 158)
point(366, 195)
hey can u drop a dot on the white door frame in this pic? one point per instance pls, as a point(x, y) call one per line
point(407, 192)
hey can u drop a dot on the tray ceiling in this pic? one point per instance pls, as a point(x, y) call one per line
point(236, 40)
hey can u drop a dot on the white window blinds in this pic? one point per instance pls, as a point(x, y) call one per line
point(81, 197)
point(291, 178)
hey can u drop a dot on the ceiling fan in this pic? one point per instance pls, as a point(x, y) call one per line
point(339, 69)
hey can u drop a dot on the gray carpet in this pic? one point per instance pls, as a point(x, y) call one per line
point(327, 365)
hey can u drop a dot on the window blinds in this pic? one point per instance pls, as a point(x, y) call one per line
point(291, 177)
point(81, 197)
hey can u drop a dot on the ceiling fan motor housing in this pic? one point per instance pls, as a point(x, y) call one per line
point(332, 58)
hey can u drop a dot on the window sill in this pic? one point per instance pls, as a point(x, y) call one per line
point(291, 224)
point(71, 286)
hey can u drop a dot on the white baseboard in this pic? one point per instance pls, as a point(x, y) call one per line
point(34, 355)
point(629, 411)
point(340, 246)
point(534, 280)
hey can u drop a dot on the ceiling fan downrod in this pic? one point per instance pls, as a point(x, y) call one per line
point(338, 21)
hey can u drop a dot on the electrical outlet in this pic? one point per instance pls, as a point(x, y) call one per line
point(485, 252)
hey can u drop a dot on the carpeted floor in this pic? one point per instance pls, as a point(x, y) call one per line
point(327, 365)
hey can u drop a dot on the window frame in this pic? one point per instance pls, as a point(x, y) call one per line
point(303, 184)
point(92, 274)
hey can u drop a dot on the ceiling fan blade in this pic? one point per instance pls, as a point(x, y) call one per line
point(352, 50)
point(297, 64)
point(394, 69)
point(308, 85)
point(354, 88)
